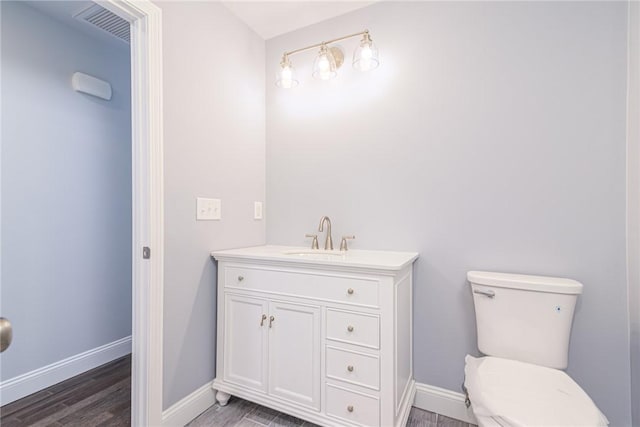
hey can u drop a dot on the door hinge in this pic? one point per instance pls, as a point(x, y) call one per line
point(146, 252)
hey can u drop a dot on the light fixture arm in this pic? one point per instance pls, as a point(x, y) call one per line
point(302, 49)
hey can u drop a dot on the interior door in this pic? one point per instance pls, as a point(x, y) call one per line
point(245, 341)
point(294, 353)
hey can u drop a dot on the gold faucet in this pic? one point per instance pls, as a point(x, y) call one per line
point(328, 243)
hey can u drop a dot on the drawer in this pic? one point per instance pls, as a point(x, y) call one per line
point(357, 408)
point(343, 289)
point(356, 368)
point(354, 328)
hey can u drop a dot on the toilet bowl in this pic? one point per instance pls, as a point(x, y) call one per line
point(523, 326)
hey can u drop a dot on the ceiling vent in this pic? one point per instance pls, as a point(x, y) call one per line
point(107, 21)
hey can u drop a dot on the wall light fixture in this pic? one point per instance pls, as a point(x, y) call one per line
point(329, 59)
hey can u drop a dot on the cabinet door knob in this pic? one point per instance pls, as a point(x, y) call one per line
point(264, 317)
point(271, 319)
point(350, 408)
point(350, 368)
point(240, 278)
point(350, 291)
point(350, 328)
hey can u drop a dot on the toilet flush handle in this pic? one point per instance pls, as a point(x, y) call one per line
point(488, 293)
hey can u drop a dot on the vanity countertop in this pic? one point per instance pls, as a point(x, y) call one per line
point(354, 258)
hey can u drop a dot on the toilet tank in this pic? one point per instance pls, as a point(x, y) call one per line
point(525, 318)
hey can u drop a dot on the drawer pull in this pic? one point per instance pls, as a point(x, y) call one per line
point(264, 317)
point(350, 408)
point(350, 368)
point(240, 278)
point(350, 328)
point(350, 291)
point(271, 319)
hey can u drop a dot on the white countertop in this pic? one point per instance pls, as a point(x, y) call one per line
point(383, 260)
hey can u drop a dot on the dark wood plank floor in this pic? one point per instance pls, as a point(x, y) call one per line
point(99, 397)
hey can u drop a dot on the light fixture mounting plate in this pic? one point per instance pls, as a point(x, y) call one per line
point(338, 55)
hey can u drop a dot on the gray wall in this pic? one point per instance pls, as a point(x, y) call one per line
point(633, 204)
point(66, 192)
point(214, 140)
point(492, 137)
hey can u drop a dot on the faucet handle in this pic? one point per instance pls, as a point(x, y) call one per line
point(343, 242)
point(314, 242)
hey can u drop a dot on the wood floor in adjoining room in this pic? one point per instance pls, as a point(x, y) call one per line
point(99, 397)
point(241, 413)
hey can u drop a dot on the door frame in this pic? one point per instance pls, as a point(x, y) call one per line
point(147, 206)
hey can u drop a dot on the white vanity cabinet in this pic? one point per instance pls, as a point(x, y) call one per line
point(326, 337)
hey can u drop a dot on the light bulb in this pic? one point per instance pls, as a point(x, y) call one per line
point(324, 67)
point(285, 78)
point(365, 57)
point(366, 53)
point(323, 63)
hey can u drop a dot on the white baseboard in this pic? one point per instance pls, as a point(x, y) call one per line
point(23, 385)
point(442, 401)
point(189, 407)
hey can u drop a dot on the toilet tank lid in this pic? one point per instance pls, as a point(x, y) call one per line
point(521, 281)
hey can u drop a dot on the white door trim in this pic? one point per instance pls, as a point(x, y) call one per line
point(148, 221)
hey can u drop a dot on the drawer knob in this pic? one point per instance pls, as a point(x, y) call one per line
point(350, 408)
point(350, 328)
point(240, 278)
point(350, 368)
point(350, 291)
point(264, 317)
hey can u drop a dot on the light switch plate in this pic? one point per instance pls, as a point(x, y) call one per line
point(257, 210)
point(208, 209)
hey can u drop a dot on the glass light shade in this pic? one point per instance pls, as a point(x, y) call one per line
point(365, 57)
point(286, 76)
point(324, 66)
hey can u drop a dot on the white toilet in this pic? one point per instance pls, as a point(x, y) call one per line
point(524, 324)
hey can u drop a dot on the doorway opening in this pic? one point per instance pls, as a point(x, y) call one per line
point(145, 220)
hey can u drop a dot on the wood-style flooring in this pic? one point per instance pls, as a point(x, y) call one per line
point(102, 397)
point(99, 397)
point(241, 413)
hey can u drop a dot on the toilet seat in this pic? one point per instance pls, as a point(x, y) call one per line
point(510, 393)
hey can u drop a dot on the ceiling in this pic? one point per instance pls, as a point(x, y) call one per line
point(273, 18)
point(267, 18)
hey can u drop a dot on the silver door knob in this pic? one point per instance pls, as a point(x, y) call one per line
point(350, 408)
point(350, 328)
point(6, 334)
point(240, 278)
point(350, 368)
point(350, 291)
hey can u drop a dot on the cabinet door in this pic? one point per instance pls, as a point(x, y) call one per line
point(245, 341)
point(294, 353)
